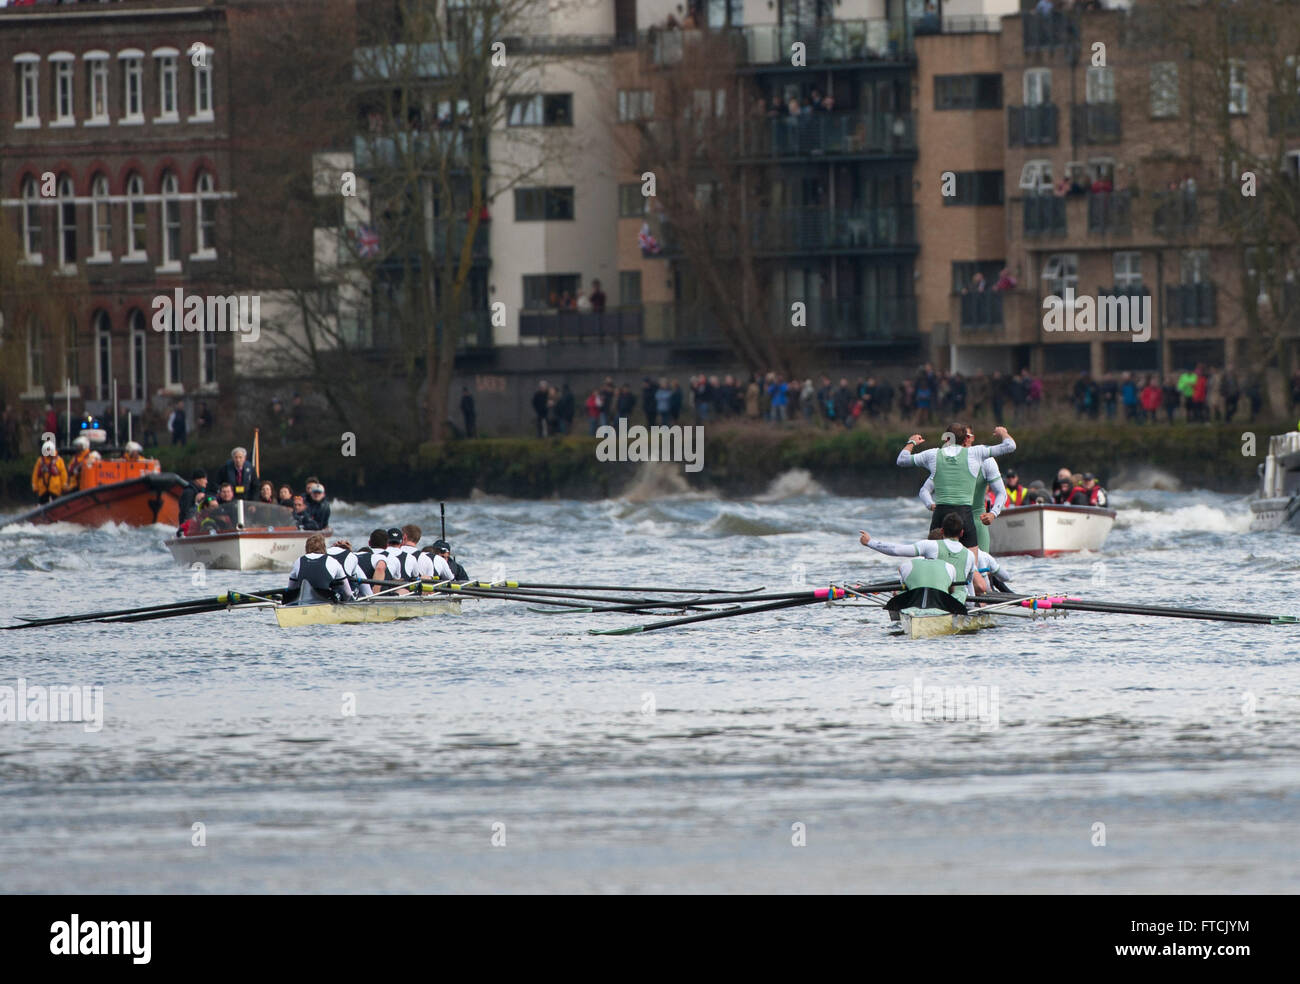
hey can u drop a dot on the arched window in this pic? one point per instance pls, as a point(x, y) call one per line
point(101, 219)
point(171, 220)
point(103, 355)
point(205, 207)
point(67, 211)
point(139, 357)
point(31, 219)
point(137, 218)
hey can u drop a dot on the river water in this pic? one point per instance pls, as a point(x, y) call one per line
point(509, 750)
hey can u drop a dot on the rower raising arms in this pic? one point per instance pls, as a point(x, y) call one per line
point(956, 473)
point(948, 550)
point(318, 577)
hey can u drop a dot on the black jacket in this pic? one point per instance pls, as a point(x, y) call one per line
point(247, 479)
point(189, 500)
point(318, 514)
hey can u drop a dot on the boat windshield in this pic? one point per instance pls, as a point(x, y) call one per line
point(239, 514)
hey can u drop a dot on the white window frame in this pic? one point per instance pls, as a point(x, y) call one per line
point(169, 221)
point(102, 330)
point(35, 357)
point(1055, 276)
point(1099, 85)
point(208, 361)
point(71, 362)
point(32, 226)
point(1197, 263)
point(1238, 90)
point(165, 65)
point(203, 93)
point(1127, 268)
point(27, 71)
point(64, 65)
point(66, 198)
point(135, 201)
point(1036, 175)
point(139, 355)
point(101, 221)
point(173, 349)
point(205, 217)
point(1095, 164)
point(635, 105)
point(1038, 86)
point(96, 88)
point(132, 62)
point(1164, 91)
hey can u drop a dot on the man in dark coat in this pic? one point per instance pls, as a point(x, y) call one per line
point(238, 471)
point(195, 490)
point(317, 506)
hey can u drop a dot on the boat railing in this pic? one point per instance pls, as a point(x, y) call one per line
point(1279, 445)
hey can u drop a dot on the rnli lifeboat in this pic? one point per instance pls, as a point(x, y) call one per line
point(135, 491)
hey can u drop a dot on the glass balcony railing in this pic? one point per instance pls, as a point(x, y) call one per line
point(1032, 126)
point(1175, 214)
point(981, 310)
point(1110, 213)
point(1043, 32)
point(830, 134)
point(799, 230)
point(771, 44)
point(581, 326)
point(420, 149)
point(1096, 123)
point(839, 320)
point(1044, 215)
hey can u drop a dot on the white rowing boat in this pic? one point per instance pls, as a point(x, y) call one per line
point(929, 623)
point(382, 608)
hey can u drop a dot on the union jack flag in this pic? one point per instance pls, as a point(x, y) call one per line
point(367, 241)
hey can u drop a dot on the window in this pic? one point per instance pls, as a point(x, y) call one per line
point(548, 290)
point(1061, 272)
point(1102, 169)
point(977, 188)
point(28, 69)
point(137, 218)
point(1128, 269)
point(1099, 85)
point(139, 357)
point(101, 219)
point(632, 204)
point(629, 288)
point(1036, 176)
point(203, 87)
point(543, 204)
point(31, 222)
point(97, 87)
point(103, 356)
point(71, 356)
point(67, 213)
point(726, 13)
point(552, 109)
point(208, 359)
point(968, 91)
point(35, 355)
point(171, 221)
point(1237, 94)
point(1038, 86)
point(64, 112)
point(1164, 90)
point(173, 361)
point(963, 273)
point(132, 91)
point(168, 100)
point(635, 104)
point(205, 208)
point(1195, 266)
point(1291, 165)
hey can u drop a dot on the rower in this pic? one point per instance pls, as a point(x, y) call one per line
point(77, 466)
point(408, 553)
point(949, 550)
point(986, 564)
point(438, 559)
point(50, 476)
point(318, 578)
point(341, 551)
point(955, 468)
point(373, 558)
point(987, 487)
point(441, 549)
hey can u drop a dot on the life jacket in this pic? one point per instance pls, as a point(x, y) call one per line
point(315, 571)
point(1079, 496)
point(1097, 496)
point(75, 467)
point(49, 476)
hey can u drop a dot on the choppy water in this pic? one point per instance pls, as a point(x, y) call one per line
point(1182, 738)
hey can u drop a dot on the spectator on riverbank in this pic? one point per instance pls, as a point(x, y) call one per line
point(539, 407)
point(468, 412)
point(648, 406)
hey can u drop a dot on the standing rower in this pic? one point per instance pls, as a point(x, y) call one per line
point(955, 468)
point(318, 577)
point(961, 561)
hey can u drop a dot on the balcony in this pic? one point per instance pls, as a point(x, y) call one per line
point(1175, 214)
point(768, 45)
point(811, 230)
point(581, 326)
point(1047, 32)
point(841, 321)
point(1191, 304)
point(981, 311)
point(1110, 213)
point(1032, 126)
point(1095, 123)
point(830, 135)
point(1284, 115)
point(451, 238)
point(1044, 215)
point(421, 150)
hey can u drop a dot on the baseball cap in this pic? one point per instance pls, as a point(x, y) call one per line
point(394, 536)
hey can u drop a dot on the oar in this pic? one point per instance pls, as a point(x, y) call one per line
point(1080, 605)
point(860, 589)
point(218, 602)
point(707, 616)
point(615, 587)
point(153, 616)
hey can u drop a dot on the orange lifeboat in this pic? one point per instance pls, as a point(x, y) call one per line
point(121, 490)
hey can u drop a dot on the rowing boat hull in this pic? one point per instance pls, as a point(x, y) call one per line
point(1048, 530)
point(931, 624)
point(358, 612)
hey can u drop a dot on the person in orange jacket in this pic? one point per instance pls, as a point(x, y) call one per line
point(77, 466)
point(50, 476)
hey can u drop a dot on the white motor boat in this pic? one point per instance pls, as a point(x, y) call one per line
point(243, 536)
point(1044, 530)
point(1278, 502)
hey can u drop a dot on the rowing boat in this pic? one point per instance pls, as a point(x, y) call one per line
point(929, 623)
point(373, 609)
